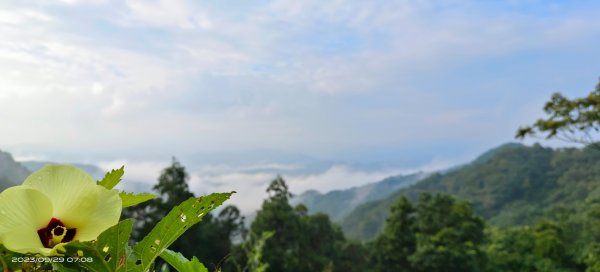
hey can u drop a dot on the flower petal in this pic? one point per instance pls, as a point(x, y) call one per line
point(22, 240)
point(24, 207)
point(78, 202)
point(72, 192)
point(105, 214)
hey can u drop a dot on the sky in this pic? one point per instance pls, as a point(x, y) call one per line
point(331, 93)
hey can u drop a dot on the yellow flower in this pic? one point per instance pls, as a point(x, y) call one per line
point(55, 205)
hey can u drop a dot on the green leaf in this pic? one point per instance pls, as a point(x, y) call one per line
point(254, 252)
point(180, 263)
point(112, 178)
point(172, 226)
point(113, 242)
point(77, 255)
point(6, 259)
point(62, 268)
point(108, 253)
point(129, 199)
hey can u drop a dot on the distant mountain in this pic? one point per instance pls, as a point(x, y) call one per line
point(11, 172)
point(339, 203)
point(510, 185)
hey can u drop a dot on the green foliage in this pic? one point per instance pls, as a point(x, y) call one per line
point(300, 242)
point(174, 225)
point(182, 264)
point(131, 199)
point(543, 247)
point(111, 252)
point(108, 253)
point(351, 256)
point(398, 241)
point(6, 263)
point(112, 178)
point(172, 189)
point(172, 186)
point(592, 257)
point(215, 233)
point(282, 251)
point(252, 254)
point(255, 253)
point(572, 120)
point(440, 234)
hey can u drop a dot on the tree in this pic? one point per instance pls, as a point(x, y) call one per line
point(172, 188)
point(542, 247)
point(592, 257)
point(440, 234)
point(300, 242)
point(247, 256)
point(397, 242)
point(276, 215)
point(449, 236)
point(351, 256)
point(572, 120)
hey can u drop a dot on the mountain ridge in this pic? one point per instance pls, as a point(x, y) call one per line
point(11, 172)
point(338, 203)
point(512, 185)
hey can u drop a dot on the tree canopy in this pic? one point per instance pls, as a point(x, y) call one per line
point(439, 234)
point(573, 120)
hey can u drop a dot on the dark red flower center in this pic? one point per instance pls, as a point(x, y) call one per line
point(55, 233)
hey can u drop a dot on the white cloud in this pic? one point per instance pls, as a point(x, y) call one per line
point(213, 169)
point(145, 172)
point(176, 13)
point(32, 157)
point(24, 16)
point(337, 177)
point(251, 187)
point(311, 76)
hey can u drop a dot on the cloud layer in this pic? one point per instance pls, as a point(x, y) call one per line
point(344, 81)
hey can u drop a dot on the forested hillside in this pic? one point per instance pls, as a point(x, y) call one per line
point(551, 192)
point(511, 185)
point(11, 172)
point(339, 203)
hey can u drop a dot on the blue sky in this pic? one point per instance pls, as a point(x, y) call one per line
point(407, 84)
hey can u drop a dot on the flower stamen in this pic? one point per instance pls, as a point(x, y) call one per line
point(58, 233)
point(55, 233)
